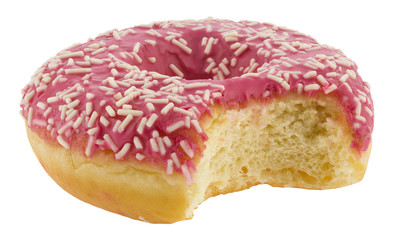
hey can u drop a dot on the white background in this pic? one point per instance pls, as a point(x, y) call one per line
point(32, 206)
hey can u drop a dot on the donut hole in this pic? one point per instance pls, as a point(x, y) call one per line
point(221, 61)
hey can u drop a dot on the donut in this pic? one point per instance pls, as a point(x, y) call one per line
point(150, 121)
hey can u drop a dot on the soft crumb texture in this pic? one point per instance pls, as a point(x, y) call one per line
point(289, 142)
point(292, 142)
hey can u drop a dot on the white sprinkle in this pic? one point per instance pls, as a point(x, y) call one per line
point(124, 100)
point(167, 141)
point(154, 145)
point(29, 96)
point(209, 45)
point(124, 33)
point(140, 156)
point(167, 108)
point(77, 122)
point(154, 100)
point(288, 46)
point(358, 106)
point(46, 113)
point(137, 57)
point(71, 115)
point(285, 85)
point(275, 78)
point(169, 167)
point(88, 108)
point(175, 159)
point(155, 134)
point(134, 113)
point(216, 94)
point(174, 99)
point(206, 96)
point(187, 174)
point(62, 142)
point(196, 85)
point(41, 123)
point(331, 74)
point(136, 47)
point(196, 124)
point(152, 42)
point(300, 88)
point(210, 67)
point(115, 73)
point(92, 131)
point(152, 59)
point(104, 121)
point(150, 107)
point(113, 47)
point(137, 143)
point(224, 69)
point(153, 32)
point(183, 111)
point(176, 70)
point(30, 117)
point(322, 80)
point(310, 74)
point(343, 62)
point(241, 49)
point(231, 39)
point(175, 126)
point(187, 148)
point(116, 125)
point(73, 104)
point(72, 54)
point(344, 78)
point(231, 33)
point(348, 87)
point(330, 89)
point(182, 46)
point(162, 149)
point(317, 64)
point(63, 112)
point(235, 46)
point(204, 41)
point(78, 70)
point(252, 38)
point(100, 50)
point(70, 95)
point(96, 61)
point(110, 111)
point(41, 105)
point(151, 120)
point(116, 35)
point(351, 73)
point(369, 111)
point(360, 118)
point(90, 96)
point(311, 87)
point(110, 142)
point(123, 151)
point(92, 119)
point(141, 126)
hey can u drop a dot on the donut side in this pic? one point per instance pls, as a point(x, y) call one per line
point(129, 190)
point(289, 141)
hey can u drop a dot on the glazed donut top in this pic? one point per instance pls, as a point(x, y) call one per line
point(141, 91)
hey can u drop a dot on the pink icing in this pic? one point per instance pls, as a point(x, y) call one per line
point(172, 66)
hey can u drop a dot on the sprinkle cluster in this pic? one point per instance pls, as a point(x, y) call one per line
point(141, 92)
